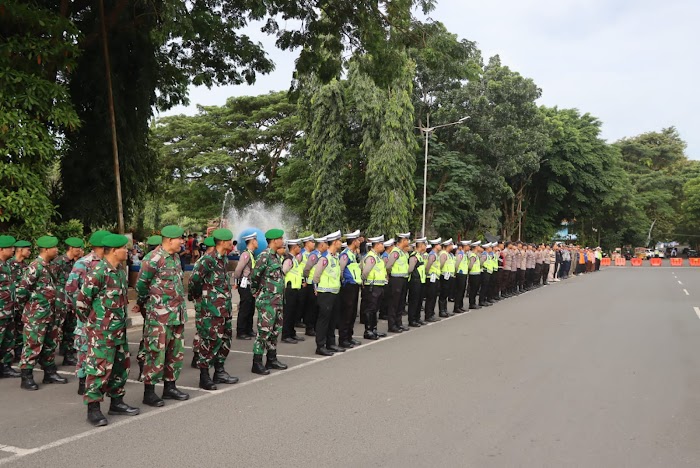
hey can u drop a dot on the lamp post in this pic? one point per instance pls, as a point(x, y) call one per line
point(427, 131)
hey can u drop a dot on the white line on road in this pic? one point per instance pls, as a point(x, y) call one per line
point(680, 283)
point(686, 292)
point(15, 450)
point(195, 389)
point(250, 352)
point(697, 311)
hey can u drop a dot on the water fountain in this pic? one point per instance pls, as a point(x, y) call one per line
point(259, 217)
point(228, 199)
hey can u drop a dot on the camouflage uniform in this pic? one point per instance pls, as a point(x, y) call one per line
point(7, 313)
point(17, 268)
point(36, 294)
point(103, 300)
point(268, 285)
point(211, 289)
point(61, 268)
point(75, 282)
point(161, 292)
point(141, 354)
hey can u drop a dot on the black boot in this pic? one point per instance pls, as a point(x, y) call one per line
point(193, 364)
point(205, 381)
point(221, 376)
point(51, 376)
point(170, 392)
point(69, 359)
point(272, 362)
point(28, 380)
point(81, 386)
point(258, 367)
point(117, 406)
point(149, 396)
point(94, 414)
point(6, 371)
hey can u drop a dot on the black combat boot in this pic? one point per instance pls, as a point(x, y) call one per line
point(51, 376)
point(6, 371)
point(272, 362)
point(170, 392)
point(258, 367)
point(193, 364)
point(205, 381)
point(69, 359)
point(81, 386)
point(117, 406)
point(221, 376)
point(94, 414)
point(150, 397)
point(28, 380)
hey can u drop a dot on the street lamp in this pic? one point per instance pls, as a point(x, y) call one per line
point(427, 131)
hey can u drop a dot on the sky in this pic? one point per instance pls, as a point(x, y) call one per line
point(632, 64)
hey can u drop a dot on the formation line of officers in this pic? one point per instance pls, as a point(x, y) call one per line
point(78, 303)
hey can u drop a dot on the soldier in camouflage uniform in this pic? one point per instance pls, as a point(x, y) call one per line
point(267, 282)
point(210, 244)
point(161, 297)
point(7, 308)
point(61, 268)
point(75, 281)
point(103, 300)
point(210, 287)
point(153, 242)
point(36, 295)
point(23, 250)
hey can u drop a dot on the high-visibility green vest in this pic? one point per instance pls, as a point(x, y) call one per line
point(377, 276)
point(488, 264)
point(463, 267)
point(449, 265)
point(330, 278)
point(435, 267)
point(293, 276)
point(476, 268)
point(400, 267)
point(495, 261)
point(304, 259)
point(420, 267)
point(312, 271)
point(353, 268)
point(252, 258)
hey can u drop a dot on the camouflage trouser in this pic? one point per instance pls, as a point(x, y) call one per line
point(40, 342)
point(214, 340)
point(19, 329)
point(81, 349)
point(107, 367)
point(164, 352)
point(68, 340)
point(269, 326)
point(141, 355)
point(7, 340)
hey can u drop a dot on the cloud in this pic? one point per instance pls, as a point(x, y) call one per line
point(632, 64)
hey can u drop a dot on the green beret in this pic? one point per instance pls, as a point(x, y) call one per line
point(47, 242)
point(172, 232)
point(222, 234)
point(274, 234)
point(75, 242)
point(96, 238)
point(115, 241)
point(209, 242)
point(23, 243)
point(7, 241)
point(154, 240)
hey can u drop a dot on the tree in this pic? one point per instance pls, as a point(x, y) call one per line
point(37, 54)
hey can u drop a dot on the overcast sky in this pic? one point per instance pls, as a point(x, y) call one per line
point(632, 64)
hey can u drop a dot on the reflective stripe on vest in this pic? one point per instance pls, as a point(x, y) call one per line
point(352, 273)
point(330, 277)
point(252, 258)
point(377, 276)
point(293, 276)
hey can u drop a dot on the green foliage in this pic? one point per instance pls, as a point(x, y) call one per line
point(37, 52)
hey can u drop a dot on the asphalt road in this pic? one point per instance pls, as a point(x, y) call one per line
point(597, 371)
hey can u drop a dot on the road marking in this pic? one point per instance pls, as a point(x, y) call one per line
point(195, 389)
point(680, 283)
point(697, 311)
point(686, 292)
point(250, 352)
point(19, 452)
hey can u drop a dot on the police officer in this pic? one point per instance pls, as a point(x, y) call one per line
point(294, 288)
point(397, 267)
point(447, 267)
point(311, 312)
point(474, 274)
point(462, 262)
point(246, 306)
point(416, 282)
point(374, 279)
point(350, 289)
point(432, 282)
point(485, 258)
point(326, 281)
